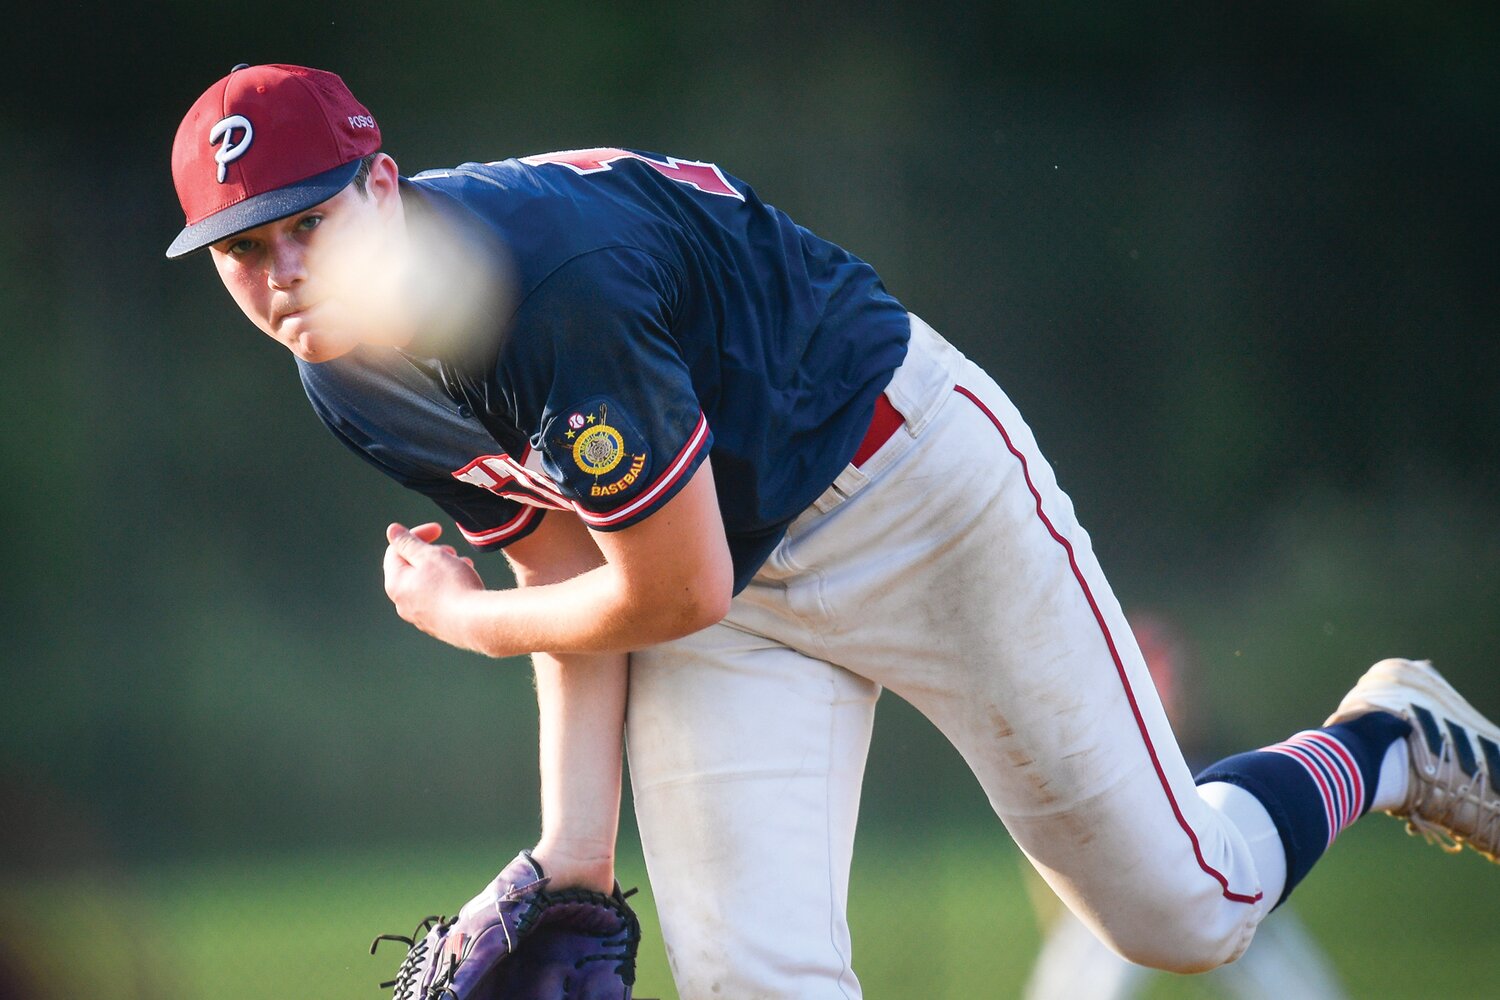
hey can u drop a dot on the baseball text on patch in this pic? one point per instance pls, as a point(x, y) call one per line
point(598, 448)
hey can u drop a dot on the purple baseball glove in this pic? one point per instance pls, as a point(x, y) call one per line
point(517, 941)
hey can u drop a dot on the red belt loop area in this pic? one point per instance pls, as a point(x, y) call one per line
point(882, 425)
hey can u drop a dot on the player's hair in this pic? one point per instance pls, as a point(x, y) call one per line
point(362, 175)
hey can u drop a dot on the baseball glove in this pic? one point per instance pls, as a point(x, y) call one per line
point(517, 941)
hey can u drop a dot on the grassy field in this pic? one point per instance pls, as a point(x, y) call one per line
point(1399, 920)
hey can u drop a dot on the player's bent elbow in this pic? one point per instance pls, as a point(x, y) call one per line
point(713, 604)
point(701, 604)
point(662, 610)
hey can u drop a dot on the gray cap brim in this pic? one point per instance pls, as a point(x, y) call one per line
point(260, 209)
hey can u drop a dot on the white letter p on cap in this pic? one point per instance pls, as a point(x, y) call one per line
point(231, 150)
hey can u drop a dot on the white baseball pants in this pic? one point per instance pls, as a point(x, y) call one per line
point(950, 570)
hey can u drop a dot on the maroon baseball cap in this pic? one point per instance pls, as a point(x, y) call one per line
point(263, 143)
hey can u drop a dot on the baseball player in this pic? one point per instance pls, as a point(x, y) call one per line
point(739, 481)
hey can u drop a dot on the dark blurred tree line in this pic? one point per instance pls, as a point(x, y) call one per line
point(1234, 262)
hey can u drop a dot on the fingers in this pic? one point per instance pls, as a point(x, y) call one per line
point(411, 545)
point(428, 532)
point(392, 564)
point(415, 543)
point(405, 549)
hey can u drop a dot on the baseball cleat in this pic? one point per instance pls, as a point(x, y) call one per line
point(1453, 793)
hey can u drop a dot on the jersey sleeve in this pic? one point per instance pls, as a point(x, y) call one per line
point(486, 520)
point(621, 429)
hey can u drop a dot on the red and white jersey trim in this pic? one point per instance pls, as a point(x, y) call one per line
point(503, 532)
point(663, 482)
point(501, 475)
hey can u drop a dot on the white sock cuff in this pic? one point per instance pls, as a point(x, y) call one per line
point(1250, 817)
point(1395, 776)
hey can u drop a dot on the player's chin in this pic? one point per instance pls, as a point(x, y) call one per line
point(316, 347)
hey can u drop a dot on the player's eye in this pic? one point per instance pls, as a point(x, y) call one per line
point(241, 247)
point(309, 222)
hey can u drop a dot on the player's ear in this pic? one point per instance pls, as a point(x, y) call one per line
point(384, 181)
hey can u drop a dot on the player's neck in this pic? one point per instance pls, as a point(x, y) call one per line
point(457, 283)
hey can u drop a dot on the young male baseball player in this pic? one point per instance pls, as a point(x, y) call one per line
point(736, 478)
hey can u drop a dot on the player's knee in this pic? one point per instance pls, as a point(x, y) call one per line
point(1176, 943)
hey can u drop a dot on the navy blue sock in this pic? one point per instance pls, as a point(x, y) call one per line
point(1314, 784)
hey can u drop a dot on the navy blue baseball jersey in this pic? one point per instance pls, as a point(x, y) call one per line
point(659, 313)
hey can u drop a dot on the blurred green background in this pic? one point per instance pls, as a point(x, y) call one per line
point(1235, 262)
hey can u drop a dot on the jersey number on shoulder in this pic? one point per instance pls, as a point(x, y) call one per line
point(504, 476)
point(706, 177)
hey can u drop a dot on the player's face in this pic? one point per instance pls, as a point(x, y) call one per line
point(309, 281)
